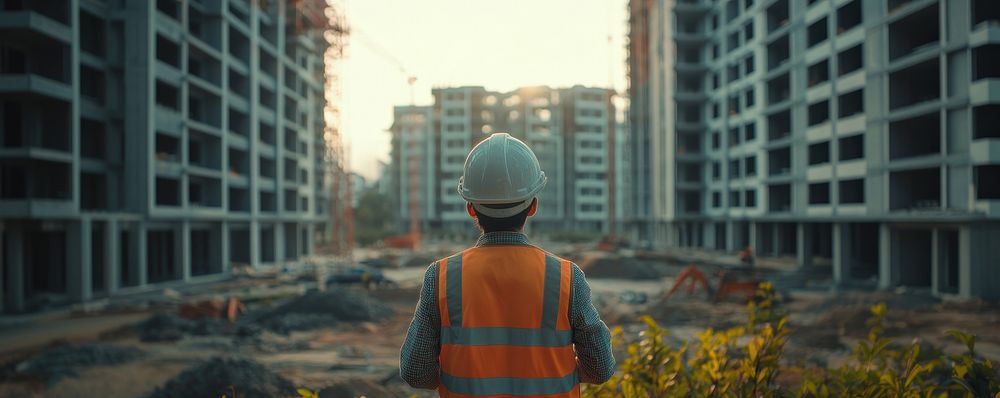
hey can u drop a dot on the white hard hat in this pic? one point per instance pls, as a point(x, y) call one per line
point(501, 170)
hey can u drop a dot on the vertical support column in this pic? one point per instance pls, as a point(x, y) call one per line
point(279, 242)
point(254, 243)
point(803, 242)
point(138, 263)
point(308, 239)
point(885, 269)
point(79, 270)
point(752, 239)
point(965, 262)
point(112, 264)
point(841, 253)
point(184, 249)
point(935, 262)
point(730, 243)
point(3, 271)
point(224, 245)
point(14, 270)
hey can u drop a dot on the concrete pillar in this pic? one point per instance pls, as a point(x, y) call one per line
point(79, 270)
point(310, 232)
point(886, 274)
point(935, 262)
point(965, 262)
point(254, 243)
point(184, 249)
point(730, 243)
point(112, 264)
point(279, 242)
point(14, 270)
point(841, 253)
point(224, 255)
point(803, 243)
point(752, 239)
point(139, 271)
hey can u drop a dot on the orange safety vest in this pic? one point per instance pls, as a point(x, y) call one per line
point(505, 328)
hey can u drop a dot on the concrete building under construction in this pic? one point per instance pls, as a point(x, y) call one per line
point(149, 142)
point(575, 132)
point(851, 134)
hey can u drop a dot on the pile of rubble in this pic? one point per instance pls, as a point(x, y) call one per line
point(67, 360)
point(226, 377)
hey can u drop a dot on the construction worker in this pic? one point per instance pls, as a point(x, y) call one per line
point(746, 256)
point(504, 318)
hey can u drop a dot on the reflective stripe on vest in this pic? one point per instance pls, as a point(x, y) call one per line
point(505, 327)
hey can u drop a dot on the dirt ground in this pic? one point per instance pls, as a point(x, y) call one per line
point(361, 358)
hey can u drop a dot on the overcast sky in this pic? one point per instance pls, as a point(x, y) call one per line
point(499, 45)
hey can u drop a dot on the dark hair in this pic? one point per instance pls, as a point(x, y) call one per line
point(513, 223)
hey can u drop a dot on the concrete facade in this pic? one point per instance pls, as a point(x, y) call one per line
point(575, 132)
point(858, 136)
point(147, 142)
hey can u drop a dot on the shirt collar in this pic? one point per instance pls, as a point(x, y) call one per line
point(502, 238)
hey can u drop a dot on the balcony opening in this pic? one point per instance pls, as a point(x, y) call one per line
point(239, 163)
point(914, 85)
point(289, 170)
point(267, 98)
point(167, 148)
point(291, 204)
point(204, 150)
point(819, 72)
point(239, 84)
point(238, 45)
point(914, 33)
point(779, 125)
point(92, 84)
point(266, 133)
point(778, 53)
point(732, 10)
point(918, 136)
point(688, 144)
point(915, 189)
point(732, 73)
point(239, 123)
point(852, 191)
point(290, 139)
point(734, 136)
point(750, 131)
point(690, 114)
point(985, 10)
point(819, 193)
point(204, 192)
point(819, 112)
point(204, 66)
point(167, 95)
point(267, 168)
point(850, 60)
point(986, 121)
point(816, 33)
point(160, 259)
point(92, 139)
point(716, 200)
point(267, 254)
point(167, 192)
point(92, 39)
point(914, 247)
point(777, 15)
point(169, 7)
point(987, 182)
point(734, 198)
point(690, 202)
point(690, 173)
point(851, 104)
point(35, 180)
point(733, 105)
point(748, 98)
point(240, 14)
point(852, 147)
point(291, 108)
point(849, 16)
point(779, 198)
point(984, 60)
point(168, 51)
point(239, 200)
point(779, 162)
point(206, 28)
point(268, 202)
point(778, 90)
point(751, 166)
point(93, 191)
point(204, 255)
point(819, 153)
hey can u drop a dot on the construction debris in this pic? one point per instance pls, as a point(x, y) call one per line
point(226, 377)
point(316, 310)
point(63, 361)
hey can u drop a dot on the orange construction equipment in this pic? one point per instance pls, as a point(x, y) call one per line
point(729, 283)
point(694, 274)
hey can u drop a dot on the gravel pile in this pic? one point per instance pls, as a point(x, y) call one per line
point(226, 377)
point(323, 309)
point(66, 360)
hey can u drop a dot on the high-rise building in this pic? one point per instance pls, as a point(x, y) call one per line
point(575, 132)
point(851, 134)
point(146, 142)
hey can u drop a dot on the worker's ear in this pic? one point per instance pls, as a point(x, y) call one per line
point(470, 210)
point(533, 208)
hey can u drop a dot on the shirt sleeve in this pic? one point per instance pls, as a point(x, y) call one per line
point(595, 362)
point(418, 358)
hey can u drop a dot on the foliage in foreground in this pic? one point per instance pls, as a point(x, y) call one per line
point(746, 361)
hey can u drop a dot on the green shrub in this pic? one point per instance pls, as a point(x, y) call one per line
point(746, 361)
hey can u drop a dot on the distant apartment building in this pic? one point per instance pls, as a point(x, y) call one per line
point(575, 132)
point(147, 142)
point(852, 134)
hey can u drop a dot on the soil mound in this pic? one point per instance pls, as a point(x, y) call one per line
point(66, 360)
point(322, 309)
point(226, 377)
